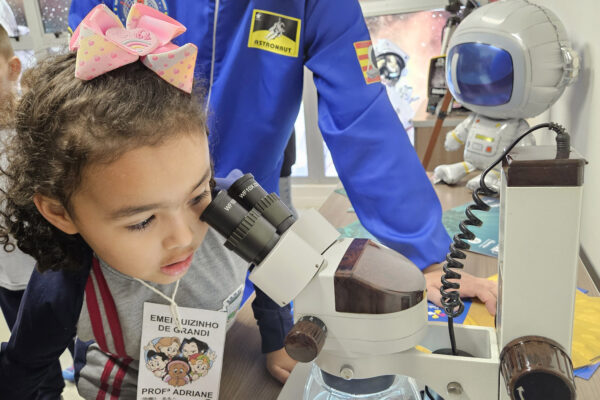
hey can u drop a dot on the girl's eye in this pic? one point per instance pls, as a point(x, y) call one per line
point(199, 198)
point(142, 225)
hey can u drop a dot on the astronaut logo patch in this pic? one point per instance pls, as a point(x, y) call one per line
point(366, 59)
point(274, 32)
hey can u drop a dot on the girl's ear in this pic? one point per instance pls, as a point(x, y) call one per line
point(14, 68)
point(55, 213)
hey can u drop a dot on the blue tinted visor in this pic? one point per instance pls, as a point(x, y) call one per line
point(480, 74)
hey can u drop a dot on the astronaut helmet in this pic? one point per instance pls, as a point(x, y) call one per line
point(391, 61)
point(510, 59)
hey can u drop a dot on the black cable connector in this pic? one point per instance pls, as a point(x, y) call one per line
point(563, 141)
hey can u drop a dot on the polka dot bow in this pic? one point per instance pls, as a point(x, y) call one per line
point(103, 44)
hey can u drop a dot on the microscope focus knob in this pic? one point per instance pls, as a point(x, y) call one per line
point(306, 338)
point(537, 368)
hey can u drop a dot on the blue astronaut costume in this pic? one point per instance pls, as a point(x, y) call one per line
point(251, 55)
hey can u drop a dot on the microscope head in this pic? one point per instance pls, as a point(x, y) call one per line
point(371, 300)
point(510, 59)
point(361, 295)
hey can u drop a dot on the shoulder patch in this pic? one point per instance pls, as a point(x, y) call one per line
point(274, 32)
point(366, 59)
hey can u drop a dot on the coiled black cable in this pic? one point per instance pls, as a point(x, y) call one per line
point(451, 301)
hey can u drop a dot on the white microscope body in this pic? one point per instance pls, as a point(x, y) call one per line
point(362, 314)
point(361, 308)
point(509, 62)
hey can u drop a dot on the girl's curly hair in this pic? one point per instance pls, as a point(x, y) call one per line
point(63, 124)
point(7, 111)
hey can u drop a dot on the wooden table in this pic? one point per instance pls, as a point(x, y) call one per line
point(244, 373)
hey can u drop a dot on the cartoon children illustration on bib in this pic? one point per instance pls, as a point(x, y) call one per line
point(179, 362)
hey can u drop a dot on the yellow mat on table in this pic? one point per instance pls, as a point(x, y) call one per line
point(585, 349)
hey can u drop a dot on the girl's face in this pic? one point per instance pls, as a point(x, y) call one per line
point(189, 348)
point(141, 213)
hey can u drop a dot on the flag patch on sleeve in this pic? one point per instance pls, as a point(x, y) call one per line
point(366, 59)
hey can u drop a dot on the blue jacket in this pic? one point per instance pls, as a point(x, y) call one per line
point(255, 93)
point(45, 326)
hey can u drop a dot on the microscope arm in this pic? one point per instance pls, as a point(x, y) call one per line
point(296, 258)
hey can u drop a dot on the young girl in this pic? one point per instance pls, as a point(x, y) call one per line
point(107, 179)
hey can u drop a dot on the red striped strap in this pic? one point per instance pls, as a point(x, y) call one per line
point(108, 367)
point(116, 392)
point(95, 316)
point(98, 329)
point(111, 310)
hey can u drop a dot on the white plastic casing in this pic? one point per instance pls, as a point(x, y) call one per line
point(543, 61)
point(295, 259)
point(358, 333)
point(539, 250)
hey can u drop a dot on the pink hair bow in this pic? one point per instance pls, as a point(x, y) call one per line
point(103, 44)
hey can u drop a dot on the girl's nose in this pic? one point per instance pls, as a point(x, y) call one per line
point(179, 235)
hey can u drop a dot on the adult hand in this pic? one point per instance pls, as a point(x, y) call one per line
point(280, 364)
point(470, 286)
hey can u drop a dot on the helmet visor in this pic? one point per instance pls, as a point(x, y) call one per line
point(480, 74)
point(390, 66)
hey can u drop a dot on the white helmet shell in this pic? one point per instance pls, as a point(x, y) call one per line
point(510, 59)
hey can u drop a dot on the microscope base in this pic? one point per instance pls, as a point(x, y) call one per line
point(477, 376)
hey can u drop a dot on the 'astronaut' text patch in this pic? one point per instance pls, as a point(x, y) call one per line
point(274, 32)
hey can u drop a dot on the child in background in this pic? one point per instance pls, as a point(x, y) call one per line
point(15, 266)
point(10, 68)
point(107, 178)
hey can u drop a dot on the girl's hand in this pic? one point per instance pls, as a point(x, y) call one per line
point(280, 364)
point(470, 286)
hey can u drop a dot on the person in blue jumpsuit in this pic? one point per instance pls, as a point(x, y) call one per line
point(251, 58)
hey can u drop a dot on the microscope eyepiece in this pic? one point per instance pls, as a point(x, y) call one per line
point(224, 213)
point(253, 239)
point(251, 195)
point(247, 191)
point(248, 234)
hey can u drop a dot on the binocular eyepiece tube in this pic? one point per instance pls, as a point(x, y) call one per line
point(251, 195)
point(250, 219)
